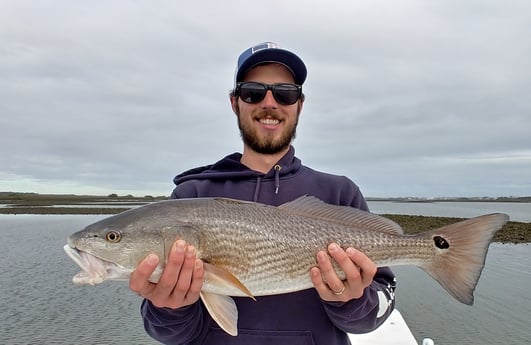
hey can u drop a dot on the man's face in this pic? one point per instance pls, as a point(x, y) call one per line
point(267, 127)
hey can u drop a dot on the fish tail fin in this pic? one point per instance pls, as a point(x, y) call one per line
point(460, 253)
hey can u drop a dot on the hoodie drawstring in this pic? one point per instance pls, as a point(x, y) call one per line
point(277, 178)
point(257, 189)
point(259, 180)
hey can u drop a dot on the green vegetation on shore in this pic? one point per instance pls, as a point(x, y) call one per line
point(31, 203)
point(35, 199)
point(512, 232)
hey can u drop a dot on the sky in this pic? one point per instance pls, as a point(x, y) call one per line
point(407, 98)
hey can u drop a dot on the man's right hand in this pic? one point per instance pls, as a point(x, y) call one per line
point(180, 282)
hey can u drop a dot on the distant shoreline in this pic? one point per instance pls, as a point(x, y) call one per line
point(525, 199)
point(17, 197)
point(41, 204)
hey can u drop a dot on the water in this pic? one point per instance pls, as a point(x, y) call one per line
point(518, 211)
point(40, 304)
point(501, 310)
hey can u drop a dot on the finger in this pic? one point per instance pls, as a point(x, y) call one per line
point(318, 282)
point(197, 281)
point(367, 267)
point(346, 265)
point(187, 269)
point(171, 271)
point(329, 275)
point(343, 260)
point(139, 281)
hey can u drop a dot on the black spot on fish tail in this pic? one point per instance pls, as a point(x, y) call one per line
point(441, 242)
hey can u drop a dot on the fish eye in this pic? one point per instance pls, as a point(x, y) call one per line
point(113, 236)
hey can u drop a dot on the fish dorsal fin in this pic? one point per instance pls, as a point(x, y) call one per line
point(312, 207)
point(223, 310)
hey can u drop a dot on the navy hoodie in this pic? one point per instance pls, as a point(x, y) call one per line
point(295, 318)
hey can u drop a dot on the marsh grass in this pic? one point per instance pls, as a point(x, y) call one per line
point(512, 232)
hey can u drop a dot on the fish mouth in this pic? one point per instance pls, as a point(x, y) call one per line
point(94, 270)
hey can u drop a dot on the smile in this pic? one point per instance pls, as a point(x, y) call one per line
point(269, 122)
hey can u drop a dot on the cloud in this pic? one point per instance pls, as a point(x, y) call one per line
point(406, 98)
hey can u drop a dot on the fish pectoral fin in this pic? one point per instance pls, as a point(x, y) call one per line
point(220, 276)
point(223, 310)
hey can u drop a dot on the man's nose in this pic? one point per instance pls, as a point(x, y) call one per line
point(269, 101)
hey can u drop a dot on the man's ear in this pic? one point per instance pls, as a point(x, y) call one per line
point(299, 105)
point(234, 104)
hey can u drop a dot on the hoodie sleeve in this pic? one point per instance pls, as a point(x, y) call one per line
point(173, 326)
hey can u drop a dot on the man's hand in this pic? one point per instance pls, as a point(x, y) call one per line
point(359, 272)
point(180, 282)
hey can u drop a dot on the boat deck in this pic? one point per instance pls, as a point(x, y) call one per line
point(394, 331)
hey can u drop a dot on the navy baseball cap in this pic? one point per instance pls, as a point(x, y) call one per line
point(270, 52)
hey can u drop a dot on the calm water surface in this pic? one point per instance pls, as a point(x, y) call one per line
point(518, 211)
point(41, 305)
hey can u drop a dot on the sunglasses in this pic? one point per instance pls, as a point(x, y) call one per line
point(252, 92)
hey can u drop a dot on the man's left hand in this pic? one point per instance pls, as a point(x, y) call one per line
point(359, 273)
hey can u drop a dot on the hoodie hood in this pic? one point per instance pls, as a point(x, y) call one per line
point(218, 178)
point(231, 168)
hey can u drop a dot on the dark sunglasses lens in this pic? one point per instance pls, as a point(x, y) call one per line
point(286, 93)
point(252, 93)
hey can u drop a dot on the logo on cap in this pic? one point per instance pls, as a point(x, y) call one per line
point(262, 46)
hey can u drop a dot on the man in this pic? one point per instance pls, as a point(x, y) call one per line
point(267, 100)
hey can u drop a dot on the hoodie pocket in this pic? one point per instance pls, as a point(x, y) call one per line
point(259, 337)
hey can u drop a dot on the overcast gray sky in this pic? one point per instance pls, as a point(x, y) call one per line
point(407, 98)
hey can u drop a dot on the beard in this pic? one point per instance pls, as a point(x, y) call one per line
point(267, 144)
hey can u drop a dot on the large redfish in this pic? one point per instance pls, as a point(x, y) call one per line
point(251, 249)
